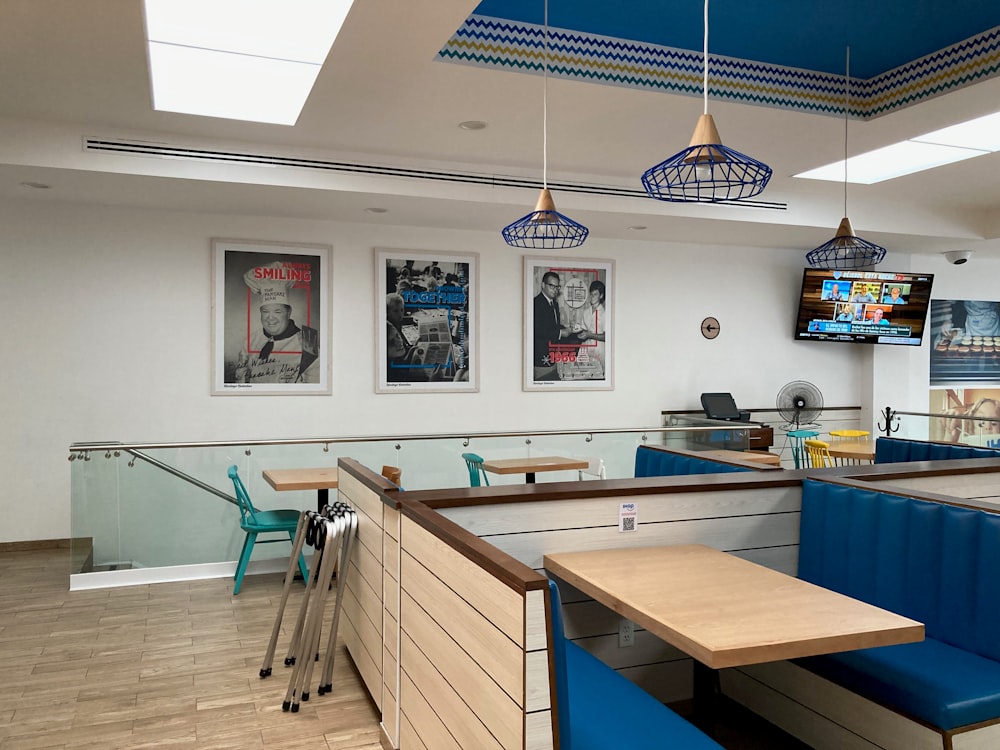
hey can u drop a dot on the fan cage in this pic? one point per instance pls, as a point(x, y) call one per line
point(810, 395)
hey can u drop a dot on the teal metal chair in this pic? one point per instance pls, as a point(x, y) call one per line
point(255, 522)
point(797, 439)
point(477, 474)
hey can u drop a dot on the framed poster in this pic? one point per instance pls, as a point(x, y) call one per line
point(965, 342)
point(270, 319)
point(426, 321)
point(568, 331)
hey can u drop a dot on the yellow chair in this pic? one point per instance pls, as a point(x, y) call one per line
point(849, 434)
point(819, 453)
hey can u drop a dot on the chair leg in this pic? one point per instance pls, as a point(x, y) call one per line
point(241, 567)
point(302, 560)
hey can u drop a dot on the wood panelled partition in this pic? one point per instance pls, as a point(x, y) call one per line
point(447, 587)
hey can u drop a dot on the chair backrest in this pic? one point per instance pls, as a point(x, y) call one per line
point(477, 474)
point(819, 453)
point(393, 474)
point(595, 468)
point(247, 511)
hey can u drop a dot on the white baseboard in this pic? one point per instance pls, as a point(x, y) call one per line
point(103, 579)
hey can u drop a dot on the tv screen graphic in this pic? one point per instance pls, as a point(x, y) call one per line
point(863, 307)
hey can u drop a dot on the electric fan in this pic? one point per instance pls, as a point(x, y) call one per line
point(799, 403)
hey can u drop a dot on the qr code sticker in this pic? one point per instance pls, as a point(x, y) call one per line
point(628, 523)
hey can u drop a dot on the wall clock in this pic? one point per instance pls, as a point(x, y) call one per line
point(710, 328)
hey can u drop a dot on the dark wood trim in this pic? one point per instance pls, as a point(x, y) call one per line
point(890, 489)
point(500, 565)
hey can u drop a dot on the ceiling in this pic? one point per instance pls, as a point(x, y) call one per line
point(386, 99)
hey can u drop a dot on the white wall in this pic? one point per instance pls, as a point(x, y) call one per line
point(108, 334)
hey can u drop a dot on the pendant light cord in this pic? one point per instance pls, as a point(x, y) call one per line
point(545, 101)
point(705, 81)
point(847, 109)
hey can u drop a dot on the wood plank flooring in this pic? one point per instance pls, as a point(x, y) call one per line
point(175, 665)
point(171, 665)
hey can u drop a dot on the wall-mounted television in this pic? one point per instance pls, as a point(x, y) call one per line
point(866, 307)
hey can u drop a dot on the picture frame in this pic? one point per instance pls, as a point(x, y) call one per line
point(568, 329)
point(426, 321)
point(270, 318)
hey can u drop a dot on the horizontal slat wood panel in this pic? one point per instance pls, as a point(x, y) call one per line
point(536, 629)
point(368, 668)
point(362, 499)
point(538, 732)
point(440, 689)
point(733, 533)
point(985, 738)
point(366, 644)
point(484, 520)
point(496, 654)
point(820, 711)
point(409, 738)
point(536, 694)
point(497, 602)
point(370, 601)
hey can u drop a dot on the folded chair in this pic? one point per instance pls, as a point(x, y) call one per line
point(255, 522)
point(477, 474)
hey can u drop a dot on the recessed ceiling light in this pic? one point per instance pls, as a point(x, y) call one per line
point(376, 210)
point(472, 125)
point(636, 228)
point(236, 59)
point(35, 185)
point(937, 148)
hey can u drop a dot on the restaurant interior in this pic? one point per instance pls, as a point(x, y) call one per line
point(514, 553)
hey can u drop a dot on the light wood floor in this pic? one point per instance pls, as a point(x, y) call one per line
point(171, 665)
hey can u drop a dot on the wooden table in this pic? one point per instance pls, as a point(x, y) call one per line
point(761, 457)
point(725, 611)
point(852, 451)
point(528, 466)
point(321, 479)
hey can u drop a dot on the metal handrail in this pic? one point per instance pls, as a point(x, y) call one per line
point(81, 448)
point(945, 416)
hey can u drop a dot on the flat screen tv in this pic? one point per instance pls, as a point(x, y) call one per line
point(865, 307)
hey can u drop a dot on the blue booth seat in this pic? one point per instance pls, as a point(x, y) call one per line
point(901, 450)
point(651, 462)
point(932, 562)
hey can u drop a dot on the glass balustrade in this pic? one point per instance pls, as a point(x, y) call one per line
point(145, 505)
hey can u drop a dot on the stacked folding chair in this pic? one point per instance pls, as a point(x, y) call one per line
point(331, 533)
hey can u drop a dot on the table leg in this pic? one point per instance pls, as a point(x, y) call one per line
point(530, 477)
point(322, 498)
point(706, 697)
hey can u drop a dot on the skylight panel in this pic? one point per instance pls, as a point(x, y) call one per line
point(240, 59)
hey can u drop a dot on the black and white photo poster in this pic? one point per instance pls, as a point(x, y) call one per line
point(568, 332)
point(426, 321)
point(270, 305)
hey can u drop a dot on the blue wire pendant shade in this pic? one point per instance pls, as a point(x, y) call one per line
point(706, 171)
point(545, 228)
point(846, 250)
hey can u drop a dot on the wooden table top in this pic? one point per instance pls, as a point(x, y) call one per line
point(762, 457)
point(539, 463)
point(323, 478)
point(725, 611)
point(861, 450)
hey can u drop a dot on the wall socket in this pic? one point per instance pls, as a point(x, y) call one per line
point(626, 633)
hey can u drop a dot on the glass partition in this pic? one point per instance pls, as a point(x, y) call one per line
point(145, 505)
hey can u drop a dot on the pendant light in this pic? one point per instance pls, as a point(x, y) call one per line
point(846, 249)
point(706, 171)
point(545, 228)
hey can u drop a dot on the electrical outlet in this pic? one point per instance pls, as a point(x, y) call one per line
point(626, 633)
